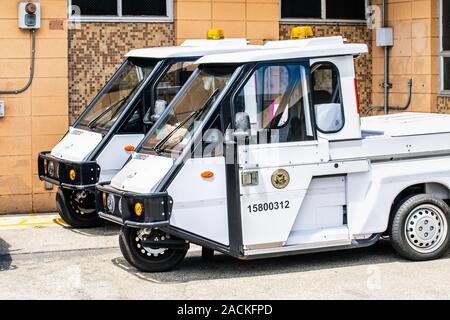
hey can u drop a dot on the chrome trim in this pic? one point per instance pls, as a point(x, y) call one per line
point(300, 247)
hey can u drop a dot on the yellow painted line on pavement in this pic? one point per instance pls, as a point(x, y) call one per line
point(22, 222)
point(32, 220)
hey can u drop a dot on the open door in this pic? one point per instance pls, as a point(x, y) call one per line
point(280, 165)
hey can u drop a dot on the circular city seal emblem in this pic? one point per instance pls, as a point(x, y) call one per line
point(280, 179)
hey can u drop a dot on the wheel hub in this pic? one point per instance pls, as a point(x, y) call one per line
point(80, 203)
point(144, 234)
point(426, 228)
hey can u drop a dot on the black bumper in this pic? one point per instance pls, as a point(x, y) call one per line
point(157, 207)
point(87, 173)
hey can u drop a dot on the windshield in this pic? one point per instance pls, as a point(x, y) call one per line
point(103, 114)
point(176, 128)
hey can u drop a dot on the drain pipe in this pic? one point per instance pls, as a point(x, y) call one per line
point(386, 84)
point(385, 39)
point(396, 108)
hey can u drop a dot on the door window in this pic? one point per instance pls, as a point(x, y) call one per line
point(328, 108)
point(276, 101)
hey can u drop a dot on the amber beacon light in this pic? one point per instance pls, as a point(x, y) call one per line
point(302, 32)
point(215, 34)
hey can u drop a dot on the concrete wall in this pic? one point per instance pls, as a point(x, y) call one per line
point(256, 20)
point(414, 55)
point(36, 119)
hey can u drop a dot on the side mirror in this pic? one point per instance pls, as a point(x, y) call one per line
point(242, 125)
point(160, 106)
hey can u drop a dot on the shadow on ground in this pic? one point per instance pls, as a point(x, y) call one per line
point(5, 256)
point(107, 229)
point(193, 268)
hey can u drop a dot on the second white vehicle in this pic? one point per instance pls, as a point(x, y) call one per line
point(102, 138)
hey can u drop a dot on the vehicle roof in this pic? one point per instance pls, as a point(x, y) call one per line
point(290, 49)
point(194, 48)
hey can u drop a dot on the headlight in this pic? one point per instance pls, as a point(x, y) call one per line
point(51, 168)
point(72, 174)
point(120, 206)
point(111, 203)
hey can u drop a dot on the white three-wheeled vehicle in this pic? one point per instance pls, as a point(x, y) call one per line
point(102, 138)
point(263, 154)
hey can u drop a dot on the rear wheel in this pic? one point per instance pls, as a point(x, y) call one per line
point(420, 228)
point(145, 258)
point(77, 208)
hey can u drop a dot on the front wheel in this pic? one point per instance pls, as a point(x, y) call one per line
point(420, 228)
point(77, 208)
point(145, 258)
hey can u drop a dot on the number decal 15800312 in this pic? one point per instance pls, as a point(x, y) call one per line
point(268, 206)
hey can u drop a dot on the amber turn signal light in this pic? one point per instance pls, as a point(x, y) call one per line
point(104, 198)
point(138, 209)
point(129, 148)
point(207, 174)
point(72, 174)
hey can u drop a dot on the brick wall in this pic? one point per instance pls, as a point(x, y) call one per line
point(413, 56)
point(97, 49)
point(443, 104)
point(363, 64)
point(36, 119)
point(256, 20)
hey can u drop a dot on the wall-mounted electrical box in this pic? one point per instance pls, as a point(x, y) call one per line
point(29, 15)
point(385, 37)
point(2, 108)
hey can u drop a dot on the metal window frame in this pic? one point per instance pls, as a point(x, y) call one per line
point(267, 64)
point(323, 19)
point(120, 17)
point(442, 54)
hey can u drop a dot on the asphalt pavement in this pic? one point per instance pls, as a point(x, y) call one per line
point(42, 258)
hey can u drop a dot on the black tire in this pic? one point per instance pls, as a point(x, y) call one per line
point(165, 261)
point(419, 230)
point(68, 212)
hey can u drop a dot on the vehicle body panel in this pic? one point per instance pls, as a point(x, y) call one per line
point(76, 145)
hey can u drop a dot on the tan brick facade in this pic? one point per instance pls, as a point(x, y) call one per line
point(73, 64)
point(97, 49)
point(256, 20)
point(353, 34)
point(414, 55)
point(36, 119)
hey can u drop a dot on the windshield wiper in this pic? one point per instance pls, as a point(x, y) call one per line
point(94, 121)
point(158, 147)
